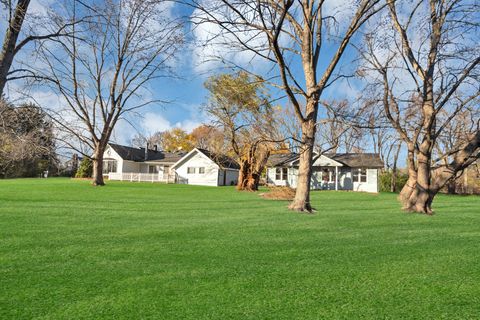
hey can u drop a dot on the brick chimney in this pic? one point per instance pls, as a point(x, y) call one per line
point(146, 151)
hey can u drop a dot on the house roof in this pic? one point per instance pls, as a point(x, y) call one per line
point(281, 159)
point(370, 160)
point(223, 161)
point(138, 154)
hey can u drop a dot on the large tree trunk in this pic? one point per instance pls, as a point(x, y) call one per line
point(10, 41)
point(411, 183)
point(248, 179)
point(421, 196)
point(301, 202)
point(242, 174)
point(417, 194)
point(98, 167)
point(251, 169)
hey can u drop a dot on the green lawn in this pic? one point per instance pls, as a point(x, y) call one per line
point(131, 251)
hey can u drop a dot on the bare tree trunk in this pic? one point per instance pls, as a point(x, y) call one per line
point(242, 174)
point(10, 41)
point(301, 202)
point(97, 160)
point(393, 185)
point(393, 180)
point(411, 184)
point(420, 200)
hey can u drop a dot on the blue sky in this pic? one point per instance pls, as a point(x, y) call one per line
point(186, 94)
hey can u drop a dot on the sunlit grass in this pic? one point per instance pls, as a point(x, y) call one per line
point(130, 251)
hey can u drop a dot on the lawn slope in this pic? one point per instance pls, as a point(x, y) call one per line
point(139, 250)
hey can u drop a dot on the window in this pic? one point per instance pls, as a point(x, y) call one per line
point(359, 175)
point(190, 170)
point(109, 166)
point(152, 169)
point(328, 175)
point(281, 173)
point(201, 170)
point(325, 175)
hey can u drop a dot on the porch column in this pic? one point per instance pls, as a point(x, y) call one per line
point(336, 178)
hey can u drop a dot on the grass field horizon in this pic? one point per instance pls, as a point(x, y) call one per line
point(142, 250)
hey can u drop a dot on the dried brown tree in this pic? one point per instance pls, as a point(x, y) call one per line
point(240, 106)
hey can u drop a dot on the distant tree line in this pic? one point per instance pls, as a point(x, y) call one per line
point(27, 141)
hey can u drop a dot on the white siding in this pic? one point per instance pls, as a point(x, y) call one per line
point(197, 160)
point(111, 154)
point(371, 185)
point(143, 168)
point(291, 178)
point(130, 166)
point(345, 179)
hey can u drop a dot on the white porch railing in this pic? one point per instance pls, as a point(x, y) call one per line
point(142, 177)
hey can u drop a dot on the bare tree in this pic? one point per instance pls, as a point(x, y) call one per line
point(290, 35)
point(101, 72)
point(12, 45)
point(427, 69)
point(155, 139)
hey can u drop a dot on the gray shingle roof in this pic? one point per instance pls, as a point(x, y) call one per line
point(281, 159)
point(138, 154)
point(223, 161)
point(370, 160)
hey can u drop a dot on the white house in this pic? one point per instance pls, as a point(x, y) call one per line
point(139, 164)
point(202, 167)
point(340, 171)
point(142, 164)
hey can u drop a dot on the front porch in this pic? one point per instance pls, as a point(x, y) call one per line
point(325, 178)
point(145, 177)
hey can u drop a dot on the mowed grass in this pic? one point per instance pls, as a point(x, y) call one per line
point(148, 251)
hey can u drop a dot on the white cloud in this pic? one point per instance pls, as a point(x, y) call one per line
point(153, 122)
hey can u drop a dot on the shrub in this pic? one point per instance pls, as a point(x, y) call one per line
point(85, 169)
point(386, 178)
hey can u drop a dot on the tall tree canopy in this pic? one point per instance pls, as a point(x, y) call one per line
point(424, 61)
point(240, 105)
point(291, 36)
point(102, 72)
